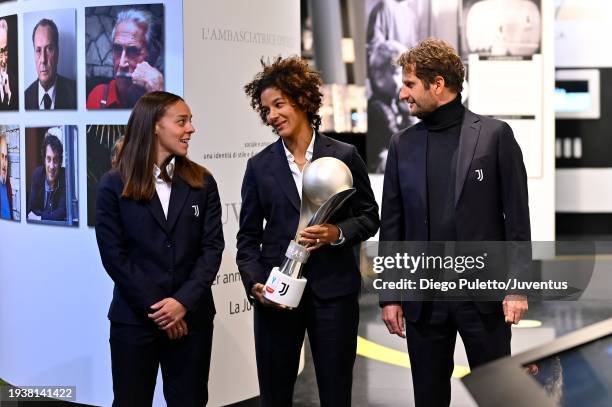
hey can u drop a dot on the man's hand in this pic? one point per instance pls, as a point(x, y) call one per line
point(178, 330)
point(257, 291)
point(319, 235)
point(393, 317)
point(515, 307)
point(148, 77)
point(168, 312)
point(6, 87)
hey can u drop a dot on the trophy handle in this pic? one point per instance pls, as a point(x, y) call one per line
point(325, 212)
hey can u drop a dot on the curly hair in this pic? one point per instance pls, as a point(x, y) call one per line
point(433, 57)
point(55, 144)
point(295, 79)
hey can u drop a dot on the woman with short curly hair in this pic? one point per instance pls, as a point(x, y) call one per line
point(286, 95)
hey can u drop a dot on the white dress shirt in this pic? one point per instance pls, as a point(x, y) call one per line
point(41, 95)
point(297, 175)
point(162, 187)
point(295, 169)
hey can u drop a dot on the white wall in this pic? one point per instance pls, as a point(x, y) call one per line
point(54, 293)
point(224, 42)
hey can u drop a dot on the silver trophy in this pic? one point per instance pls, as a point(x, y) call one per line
point(326, 184)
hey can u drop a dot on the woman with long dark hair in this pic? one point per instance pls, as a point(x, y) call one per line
point(159, 231)
point(286, 95)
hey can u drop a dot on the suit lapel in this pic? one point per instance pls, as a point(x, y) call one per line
point(178, 196)
point(282, 173)
point(470, 129)
point(322, 147)
point(155, 207)
point(59, 93)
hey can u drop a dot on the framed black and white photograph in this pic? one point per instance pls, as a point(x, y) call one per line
point(500, 28)
point(393, 27)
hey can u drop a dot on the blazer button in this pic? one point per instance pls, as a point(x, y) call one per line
point(168, 244)
point(425, 221)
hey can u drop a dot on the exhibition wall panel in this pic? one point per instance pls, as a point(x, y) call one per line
point(223, 50)
point(54, 292)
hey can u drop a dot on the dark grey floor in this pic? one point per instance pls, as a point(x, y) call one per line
point(379, 384)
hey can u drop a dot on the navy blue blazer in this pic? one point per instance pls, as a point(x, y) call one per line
point(150, 258)
point(56, 205)
point(494, 208)
point(269, 194)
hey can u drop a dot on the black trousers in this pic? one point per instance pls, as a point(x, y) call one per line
point(332, 331)
point(138, 351)
point(431, 347)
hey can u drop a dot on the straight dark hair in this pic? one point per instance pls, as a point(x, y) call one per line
point(137, 155)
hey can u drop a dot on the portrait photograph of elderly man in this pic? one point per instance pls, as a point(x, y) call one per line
point(51, 175)
point(9, 173)
point(9, 80)
point(126, 62)
point(50, 60)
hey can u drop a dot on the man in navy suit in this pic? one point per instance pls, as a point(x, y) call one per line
point(51, 90)
point(454, 176)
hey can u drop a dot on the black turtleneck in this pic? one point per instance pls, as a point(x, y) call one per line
point(443, 131)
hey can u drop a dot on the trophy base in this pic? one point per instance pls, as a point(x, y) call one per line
point(283, 289)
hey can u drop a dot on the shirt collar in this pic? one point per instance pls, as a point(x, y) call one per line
point(48, 188)
point(42, 91)
point(112, 99)
point(309, 150)
point(169, 170)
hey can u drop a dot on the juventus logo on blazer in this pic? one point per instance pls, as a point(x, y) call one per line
point(196, 210)
point(479, 174)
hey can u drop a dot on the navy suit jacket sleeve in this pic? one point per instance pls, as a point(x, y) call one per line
point(133, 283)
point(365, 222)
point(515, 203)
point(513, 187)
point(207, 264)
point(392, 219)
point(250, 235)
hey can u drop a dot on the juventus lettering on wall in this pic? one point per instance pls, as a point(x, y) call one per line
point(222, 53)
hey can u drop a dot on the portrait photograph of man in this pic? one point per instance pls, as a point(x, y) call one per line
point(10, 205)
point(50, 60)
point(9, 80)
point(125, 58)
point(51, 168)
point(392, 27)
